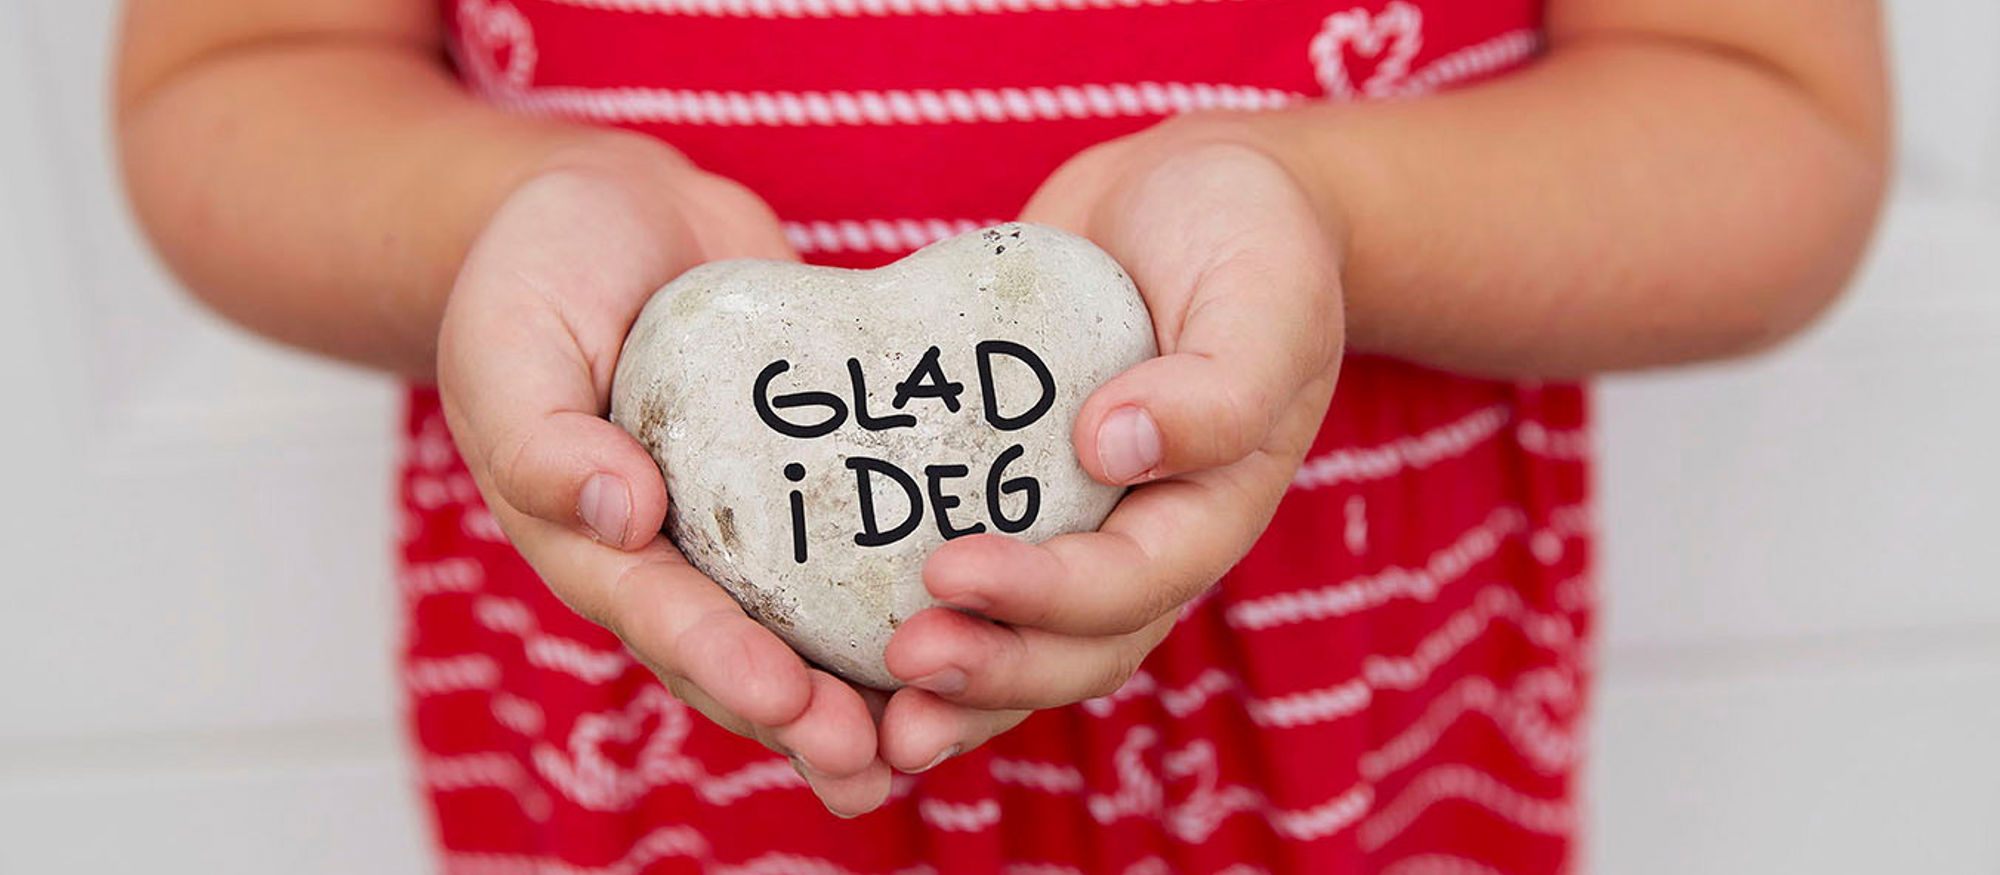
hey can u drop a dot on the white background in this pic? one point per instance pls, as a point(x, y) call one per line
point(1802, 555)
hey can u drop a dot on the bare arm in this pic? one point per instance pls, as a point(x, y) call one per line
point(1676, 180)
point(312, 171)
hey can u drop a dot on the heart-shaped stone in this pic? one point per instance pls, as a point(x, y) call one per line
point(823, 430)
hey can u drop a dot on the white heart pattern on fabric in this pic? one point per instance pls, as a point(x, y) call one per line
point(1391, 37)
point(497, 45)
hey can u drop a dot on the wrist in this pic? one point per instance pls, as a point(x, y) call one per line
point(1278, 137)
point(1329, 168)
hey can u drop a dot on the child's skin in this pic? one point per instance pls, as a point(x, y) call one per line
point(1676, 180)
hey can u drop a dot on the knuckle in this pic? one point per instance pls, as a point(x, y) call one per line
point(1163, 597)
point(1048, 609)
point(1151, 599)
point(1239, 422)
point(716, 647)
point(1319, 343)
point(1015, 679)
point(1191, 589)
point(593, 607)
point(1148, 590)
point(1130, 620)
point(616, 608)
point(1113, 672)
point(705, 636)
point(510, 468)
point(696, 698)
point(609, 608)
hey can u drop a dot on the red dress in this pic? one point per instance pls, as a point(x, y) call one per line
point(1392, 680)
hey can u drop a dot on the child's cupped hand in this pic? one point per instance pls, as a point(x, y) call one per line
point(526, 350)
point(1242, 277)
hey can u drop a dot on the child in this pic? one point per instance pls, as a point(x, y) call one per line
point(1445, 207)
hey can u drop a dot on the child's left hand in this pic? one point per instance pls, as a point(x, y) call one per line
point(1243, 279)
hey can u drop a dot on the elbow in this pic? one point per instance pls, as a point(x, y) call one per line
point(163, 196)
point(1826, 183)
point(1826, 215)
point(160, 167)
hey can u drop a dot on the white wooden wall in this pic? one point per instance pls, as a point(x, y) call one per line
point(1802, 672)
point(1803, 564)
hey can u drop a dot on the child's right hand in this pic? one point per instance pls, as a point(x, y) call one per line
point(526, 350)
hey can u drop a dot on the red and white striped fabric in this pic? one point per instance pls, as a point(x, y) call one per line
point(1391, 681)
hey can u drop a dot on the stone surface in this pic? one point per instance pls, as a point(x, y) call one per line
point(730, 357)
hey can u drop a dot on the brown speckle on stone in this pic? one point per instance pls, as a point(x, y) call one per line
point(725, 527)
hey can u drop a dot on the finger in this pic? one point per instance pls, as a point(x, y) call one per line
point(699, 699)
point(525, 410)
point(1162, 545)
point(686, 626)
point(920, 730)
point(835, 737)
point(536, 322)
point(1256, 331)
point(672, 618)
point(576, 468)
point(832, 745)
point(825, 734)
point(981, 664)
point(1071, 194)
point(731, 221)
point(525, 355)
point(1241, 282)
point(876, 700)
point(851, 796)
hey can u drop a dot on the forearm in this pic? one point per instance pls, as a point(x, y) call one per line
point(1623, 203)
point(322, 190)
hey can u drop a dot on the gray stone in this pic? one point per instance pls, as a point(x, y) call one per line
point(687, 386)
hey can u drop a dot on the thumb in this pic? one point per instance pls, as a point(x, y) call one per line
point(538, 314)
point(575, 468)
point(525, 414)
point(1254, 339)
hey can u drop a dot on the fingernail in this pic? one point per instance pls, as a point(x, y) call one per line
point(1128, 444)
point(605, 506)
point(943, 755)
point(945, 682)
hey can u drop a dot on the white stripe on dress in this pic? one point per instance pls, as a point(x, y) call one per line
point(895, 106)
point(860, 8)
point(891, 106)
point(875, 235)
